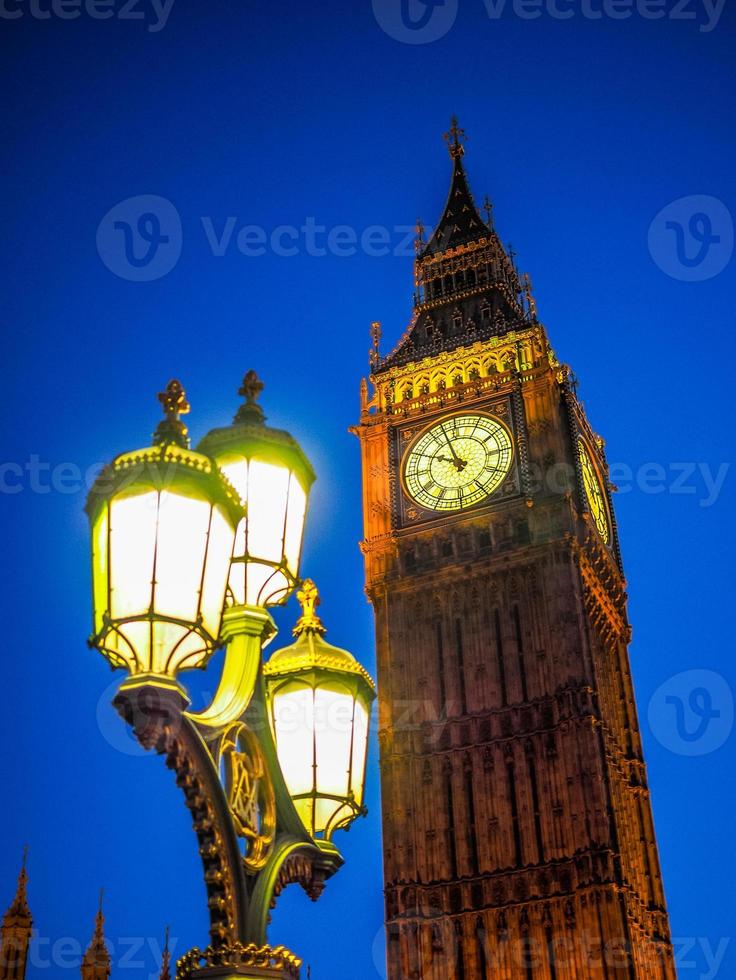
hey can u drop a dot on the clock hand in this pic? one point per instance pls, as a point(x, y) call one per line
point(460, 464)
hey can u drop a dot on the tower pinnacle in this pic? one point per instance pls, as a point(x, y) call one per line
point(15, 934)
point(166, 959)
point(96, 962)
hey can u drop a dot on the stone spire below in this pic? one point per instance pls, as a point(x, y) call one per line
point(15, 933)
point(96, 962)
point(165, 973)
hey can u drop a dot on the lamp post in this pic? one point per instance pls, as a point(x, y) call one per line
point(189, 549)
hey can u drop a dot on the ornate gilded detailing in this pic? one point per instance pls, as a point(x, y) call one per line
point(461, 373)
point(157, 466)
point(251, 412)
point(174, 403)
point(96, 962)
point(311, 652)
point(264, 961)
point(159, 723)
point(308, 598)
point(298, 869)
point(250, 794)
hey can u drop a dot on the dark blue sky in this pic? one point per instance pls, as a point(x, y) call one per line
point(582, 131)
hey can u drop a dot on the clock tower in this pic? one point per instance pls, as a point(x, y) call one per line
point(517, 827)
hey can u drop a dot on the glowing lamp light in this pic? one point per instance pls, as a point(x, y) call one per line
point(319, 701)
point(272, 476)
point(163, 525)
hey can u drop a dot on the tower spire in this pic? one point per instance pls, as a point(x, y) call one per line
point(96, 962)
point(460, 222)
point(467, 286)
point(166, 959)
point(15, 934)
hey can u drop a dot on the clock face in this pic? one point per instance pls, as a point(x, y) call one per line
point(458, 462)
point(593, 493)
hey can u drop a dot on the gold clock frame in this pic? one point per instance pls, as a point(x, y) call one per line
point(434, 423)
point(601, 521)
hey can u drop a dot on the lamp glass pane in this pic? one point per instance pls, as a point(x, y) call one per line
point(268, 490)
point(183, 524)
point(236, 472)
point(324, 810)
point(333, 711)
point(219, 551)
point(175, 646)
point(138, 635)
point(133, 523)
point(275, 585)
point(100, 569)
point(236, 579)
point(360, 740)
point(293, 722)
point(294, 524)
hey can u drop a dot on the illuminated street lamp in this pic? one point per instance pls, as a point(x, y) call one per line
point(163, 524)
point(273, 476)
point(188, 551)
point(319, 700)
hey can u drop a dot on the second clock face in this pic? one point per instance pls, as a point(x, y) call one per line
point(458, 462)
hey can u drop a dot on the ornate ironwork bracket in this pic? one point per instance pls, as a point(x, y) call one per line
point(251, 840)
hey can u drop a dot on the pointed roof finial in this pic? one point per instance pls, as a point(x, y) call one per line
point(531, 303)
point(488, 208)
point(309, 621)
point(251, 388)
point(174, 403)
point(166, 959)
point(375, 353)
point(96, 961)
point(455, 138)
point(19, 905)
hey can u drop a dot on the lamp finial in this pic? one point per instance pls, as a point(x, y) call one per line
point(309, 621)
point(174, 403)
point(250, 389)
